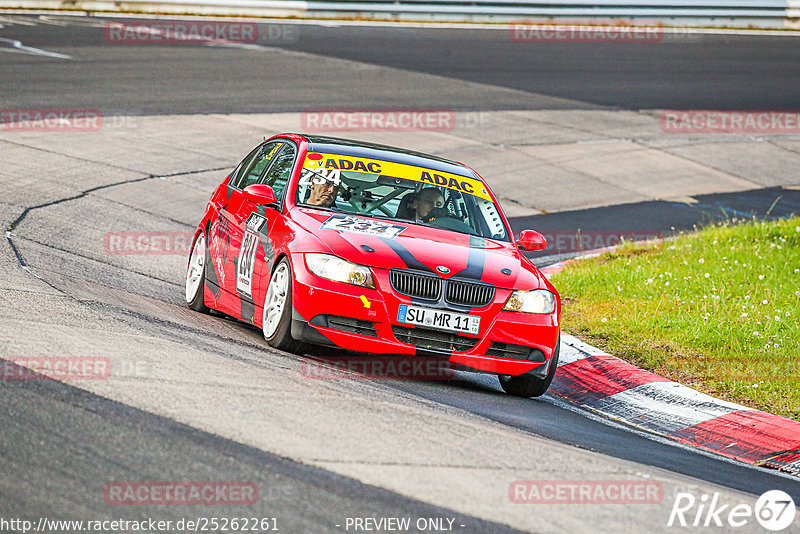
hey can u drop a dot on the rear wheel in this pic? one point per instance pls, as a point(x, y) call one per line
point(196, 275)
point(277, 312)
point(529, 385)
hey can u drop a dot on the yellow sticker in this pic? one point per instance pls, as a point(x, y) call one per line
point(365, 301)
point(467, 185)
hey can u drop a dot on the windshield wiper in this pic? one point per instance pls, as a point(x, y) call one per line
point(385, 217)
point(429, 225)
point(325, 208)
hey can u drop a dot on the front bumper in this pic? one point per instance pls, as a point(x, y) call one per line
point(365, 320)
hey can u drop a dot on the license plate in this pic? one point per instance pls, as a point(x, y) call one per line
point(438, 319)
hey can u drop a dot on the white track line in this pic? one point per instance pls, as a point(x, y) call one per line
point(19, 48)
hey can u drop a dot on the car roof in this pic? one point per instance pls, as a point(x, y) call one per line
point(350, 147)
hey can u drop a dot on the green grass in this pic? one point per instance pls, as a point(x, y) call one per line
point(717, 309)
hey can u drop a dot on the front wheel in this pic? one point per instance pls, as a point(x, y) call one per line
point(196, 275)
point(277, 312)
point(529, 385)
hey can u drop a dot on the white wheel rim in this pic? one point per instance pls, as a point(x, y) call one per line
point(275, 301)
point(195, 271)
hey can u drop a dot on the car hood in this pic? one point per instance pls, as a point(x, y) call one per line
point(425, 249)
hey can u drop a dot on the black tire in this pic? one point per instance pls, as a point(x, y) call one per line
point(281, 338)
point(529, 385)
point(195, 299)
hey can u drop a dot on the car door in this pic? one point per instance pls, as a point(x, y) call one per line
point(218, 276)
point(253, 256)
point(227, 230)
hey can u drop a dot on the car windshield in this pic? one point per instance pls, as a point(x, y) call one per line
point(389, 190)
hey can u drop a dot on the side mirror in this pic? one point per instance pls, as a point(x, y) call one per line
point(260, 194)
point(531, 240)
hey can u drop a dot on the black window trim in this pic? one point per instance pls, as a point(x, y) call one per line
point(296, 148)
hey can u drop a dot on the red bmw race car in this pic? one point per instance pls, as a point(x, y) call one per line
point(379, 250)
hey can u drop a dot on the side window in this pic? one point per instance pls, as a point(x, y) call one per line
point(236, 176)
point(252, 171)
point(278, 175)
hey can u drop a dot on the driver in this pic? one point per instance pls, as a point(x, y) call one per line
point(323, 193)
point(427, 199)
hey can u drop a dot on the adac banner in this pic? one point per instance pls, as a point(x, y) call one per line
point(329, 162)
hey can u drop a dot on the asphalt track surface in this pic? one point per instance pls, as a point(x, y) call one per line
point(60, 441)
point(682, 72)
point(61, 444)
point(46, 423)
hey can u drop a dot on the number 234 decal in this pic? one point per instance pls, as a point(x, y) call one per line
point(346, 223)
point(320, 176)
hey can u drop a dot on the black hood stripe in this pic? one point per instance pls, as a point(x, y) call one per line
point(410, 261)
point(476, 259)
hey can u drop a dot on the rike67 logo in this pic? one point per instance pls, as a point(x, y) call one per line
point(774, 510)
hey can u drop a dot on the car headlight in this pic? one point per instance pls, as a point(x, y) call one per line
point(339, 270)
point(536, 301)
